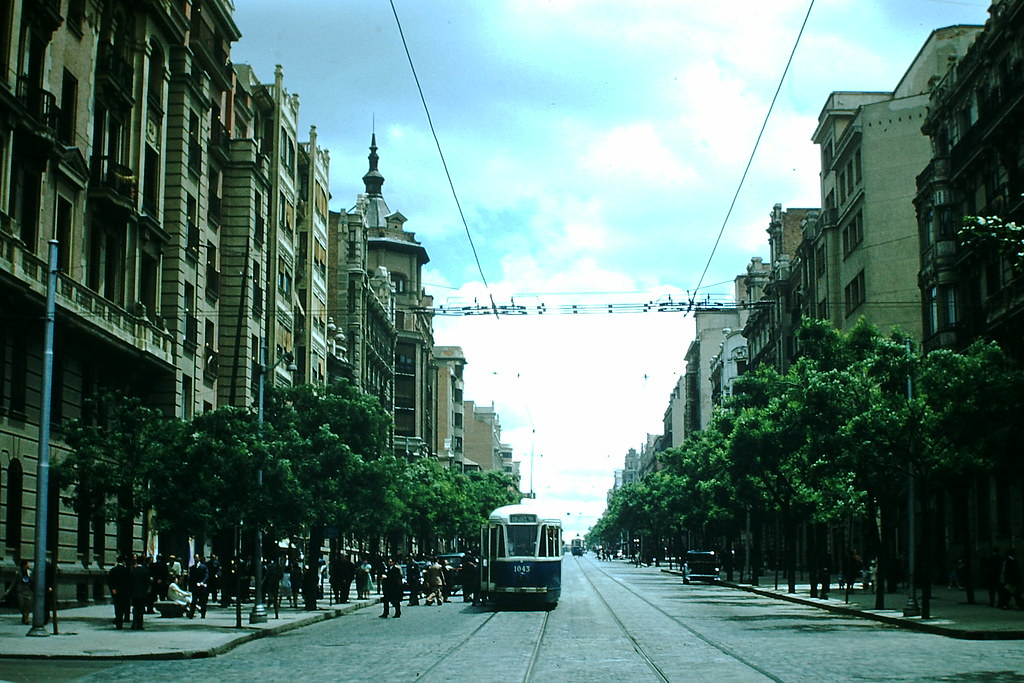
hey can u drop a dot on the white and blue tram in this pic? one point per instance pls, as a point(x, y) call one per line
point(521, 557)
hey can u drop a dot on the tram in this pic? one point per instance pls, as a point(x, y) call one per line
point(521, 557)
point(577, 547)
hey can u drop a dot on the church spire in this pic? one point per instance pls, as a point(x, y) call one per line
point(373, 179)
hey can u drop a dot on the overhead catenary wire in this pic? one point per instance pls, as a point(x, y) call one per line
point(444, 163)
point(757, 143)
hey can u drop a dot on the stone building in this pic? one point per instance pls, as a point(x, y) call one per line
point(772, 322)
point(190, 224)
point(449, 417)
point(858, 258)
point(974, 122)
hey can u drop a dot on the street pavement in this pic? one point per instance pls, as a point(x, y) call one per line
point(88, 632)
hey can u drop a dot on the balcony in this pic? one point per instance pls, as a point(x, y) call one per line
point(46, 13)
point(220, 140)
point(113, 182)
point(91, 311)
point(40, 105)
point(114, 80)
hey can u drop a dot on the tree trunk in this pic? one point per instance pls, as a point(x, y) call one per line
point(923, 570)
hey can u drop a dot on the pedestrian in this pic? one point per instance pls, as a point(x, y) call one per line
point(140, 591)
point(433, 583)
point(272, 581)
point(364, 580)
point(161, 579)
point(295, 579)
point(348, 572)
point(991, 568)
point(391, 583)
point(1009, 578)
point(119, 579)
point(174, 570)
point(412, 577)
point(310, 585)
point(199, 584)
point(216, 571)
point(470, 580)
point(23, 591)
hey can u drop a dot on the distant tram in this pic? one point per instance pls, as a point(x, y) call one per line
point(521, 557)
point(577, 547)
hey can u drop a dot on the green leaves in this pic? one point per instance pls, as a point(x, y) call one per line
point(324, 458)
point(844, 425)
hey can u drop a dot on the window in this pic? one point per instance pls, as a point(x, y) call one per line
point(212, 271)
point(853, 234)
point(855, 293)
point(68, 109)
point(522, 540)
point(186, 397)
point(62, 233)
point(284, 277)
point(15, 490)
point(819, 260)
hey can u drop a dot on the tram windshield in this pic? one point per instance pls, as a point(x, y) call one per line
point(522, 539)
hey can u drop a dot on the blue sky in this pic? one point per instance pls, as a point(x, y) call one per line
point(595, 147)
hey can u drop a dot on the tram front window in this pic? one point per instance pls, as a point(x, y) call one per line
point(522, 540)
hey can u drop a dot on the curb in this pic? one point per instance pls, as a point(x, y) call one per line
point(886, 617)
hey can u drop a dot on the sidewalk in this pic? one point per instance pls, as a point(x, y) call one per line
point(89, 633)
point(951, 616)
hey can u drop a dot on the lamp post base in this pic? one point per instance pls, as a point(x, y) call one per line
point(911, 609)
point(38, 632)
point(258, 614)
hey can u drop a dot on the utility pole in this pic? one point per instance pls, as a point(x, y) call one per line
point(43, 465)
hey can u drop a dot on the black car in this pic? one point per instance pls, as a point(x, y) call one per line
point(701, 565)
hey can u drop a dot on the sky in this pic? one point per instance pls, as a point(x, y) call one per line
point(595, 148)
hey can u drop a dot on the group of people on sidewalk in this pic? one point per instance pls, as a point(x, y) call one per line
point(140, 585)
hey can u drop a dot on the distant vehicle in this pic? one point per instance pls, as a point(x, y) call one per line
point(577, 547)
point(521, 557)
point(701, 565)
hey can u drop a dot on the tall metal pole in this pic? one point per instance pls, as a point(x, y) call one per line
point(911, 609)
point(43, 465)
point(259, 610)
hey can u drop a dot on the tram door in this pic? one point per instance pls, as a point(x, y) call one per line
point(492, 545)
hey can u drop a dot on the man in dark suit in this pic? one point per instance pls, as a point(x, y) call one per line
point(199, 584)
point(119, 579)
point(140, 582)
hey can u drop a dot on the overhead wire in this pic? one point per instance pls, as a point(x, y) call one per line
point(444, 163)
point(757, 143)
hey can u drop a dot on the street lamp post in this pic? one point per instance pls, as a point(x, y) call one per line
point(911, 609)
point(259, 610)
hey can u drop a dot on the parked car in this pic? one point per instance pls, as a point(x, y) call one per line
point(453, 560)
point(701, 565)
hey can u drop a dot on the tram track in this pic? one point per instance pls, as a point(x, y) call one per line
point(492, 620)
point(711, 642)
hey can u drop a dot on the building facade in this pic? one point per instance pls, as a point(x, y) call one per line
point(858, 258)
